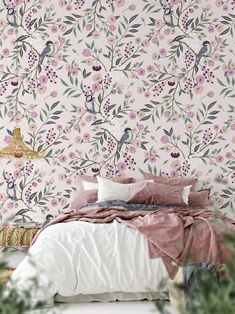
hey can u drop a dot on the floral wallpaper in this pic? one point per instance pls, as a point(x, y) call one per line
point(115, 87)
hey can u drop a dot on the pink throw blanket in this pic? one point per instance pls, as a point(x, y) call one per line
point(178, 236)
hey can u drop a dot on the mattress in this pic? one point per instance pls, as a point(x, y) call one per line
point(81, 258)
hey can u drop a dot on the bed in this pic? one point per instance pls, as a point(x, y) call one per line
point(117, 241)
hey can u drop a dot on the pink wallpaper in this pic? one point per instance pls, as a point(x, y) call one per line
point(109, 86)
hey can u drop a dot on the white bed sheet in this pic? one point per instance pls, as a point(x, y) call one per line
point(84, 258)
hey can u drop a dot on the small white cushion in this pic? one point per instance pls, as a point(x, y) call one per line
point(185, 193)
point(109, 190)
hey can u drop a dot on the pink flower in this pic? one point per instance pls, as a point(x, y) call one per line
point(140, 127)
point(190, 114)
point(174, 2)
point(43, 79)
point(74, 72)
point(54, 28)
point(86, 53)
point(10, 205)
point(54, 94)
point(54, 202)
point(72, 155)
point(225, 7)
point(229, 155)
point(88, 27)
point(167, 31)
point(6, 52)
point(88, 119)
point(174, 174)
point(198, 89)
point(10, 114)
point(132, 7)
point(86, 136)
point(62, 158)
point(17, 174)
point(150, 68)
point(167, 114)
point(211, 29)
point(200, 79)
point(162, 52)
point(112, 27)
point(152, 158)
point(96, 34)
point(132, 115)
point(141, 71)
point(96, 87)
point(210, 94)
point(34, 114)
point(165, 139)
point(232, 127)
point(231, 72)
point(121, 166)
point(219, 158)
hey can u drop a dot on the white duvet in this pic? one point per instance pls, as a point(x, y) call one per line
point(84, 258)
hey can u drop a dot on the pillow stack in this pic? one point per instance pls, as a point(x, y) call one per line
point(153, 190)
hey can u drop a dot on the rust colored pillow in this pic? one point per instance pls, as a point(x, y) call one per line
point(199, 199)
point(158, 194)
point(80, 198)
point(172, 181)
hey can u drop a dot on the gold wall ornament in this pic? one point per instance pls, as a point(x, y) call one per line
point(18, 149)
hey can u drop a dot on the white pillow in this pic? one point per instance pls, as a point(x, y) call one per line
point(89, 185)
point(185, 193)
point(109, 190)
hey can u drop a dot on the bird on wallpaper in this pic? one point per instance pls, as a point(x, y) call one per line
point(11, 17)
point(90, 104)
point(11, 190)
point(168, 18)
point(49, 217)
point(127, 137)
point(205, 51)
point(48, 51)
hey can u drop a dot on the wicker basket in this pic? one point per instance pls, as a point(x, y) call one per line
point(6, 275)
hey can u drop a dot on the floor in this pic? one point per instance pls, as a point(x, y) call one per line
point(137, 307)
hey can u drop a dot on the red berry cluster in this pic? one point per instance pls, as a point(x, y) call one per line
point(31, 86)
point(129, 161)
point(158, 88)
point(28, 167)
point(79, 4)
point(129, 49)
point(50, 137)
point(3, 88)
point(51, 74)
point(106, 108)
point(189, 58)
point(185, 168)
point(207, 136)
point(188, 86)
point(208, 75)
point(110, 145)
point(32, 58)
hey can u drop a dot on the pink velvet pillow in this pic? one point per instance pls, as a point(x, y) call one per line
point(81, 197)
point(199, 199)
point(172, 181)
point(158, 194)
